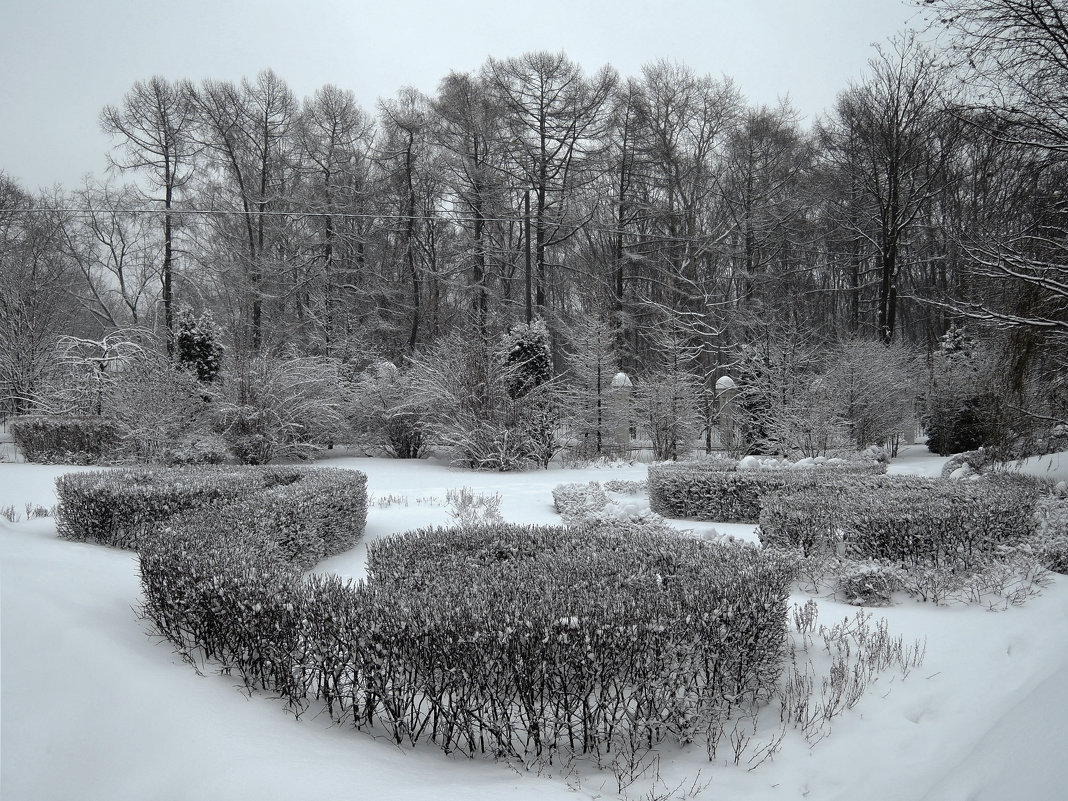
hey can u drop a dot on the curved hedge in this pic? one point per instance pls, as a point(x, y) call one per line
point(308, 512)
point(499, 639)
point(721, 492)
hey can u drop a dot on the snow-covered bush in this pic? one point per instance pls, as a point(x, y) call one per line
point(128, 377)
point(614, 507)
point(116, 507)
point(969, 463)
point(575, 501)
point(196, 448)
point(466, 386)
point(714, 491)
point(527, 357)
point(390, 412)
point(1051, 535)
point(282, 408)
point(663, 624)
point(196, 344)
point(158, 406)
point(941, 523)
point(962, 412)
point(65, 439)
point(227, 597)
point(321, 513)
point(868, 583)
point(470, 508)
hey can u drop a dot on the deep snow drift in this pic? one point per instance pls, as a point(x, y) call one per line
point(93, 707)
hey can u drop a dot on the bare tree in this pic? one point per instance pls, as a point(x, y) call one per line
point(37, 301)
point(882, 140)
point(555, 118)
point(412, 183)
point(1013, 56)
point(470, 130)
point(117, 250)
point(247, 130)
point(155, 122)
point(336, 139)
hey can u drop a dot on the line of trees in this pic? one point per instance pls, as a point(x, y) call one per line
point(693, 227)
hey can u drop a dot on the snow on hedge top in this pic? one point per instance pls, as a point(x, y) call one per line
point(772, 463)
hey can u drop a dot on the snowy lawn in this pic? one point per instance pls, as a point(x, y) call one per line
point(95, 708)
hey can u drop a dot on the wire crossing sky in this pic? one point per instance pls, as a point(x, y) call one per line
point(62, 61)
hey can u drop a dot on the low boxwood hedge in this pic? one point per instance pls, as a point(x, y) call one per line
point(721, 492)
point(905, 520)
point(309, 512)
point(55, 439)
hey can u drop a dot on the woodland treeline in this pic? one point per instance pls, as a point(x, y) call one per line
point(661, 211)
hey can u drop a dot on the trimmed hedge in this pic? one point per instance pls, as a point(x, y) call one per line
point(499, 639)
point(64, 440)
point(310, 513)
point(905, 520)
point(721, 492)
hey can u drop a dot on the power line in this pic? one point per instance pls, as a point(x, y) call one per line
point(455, 218)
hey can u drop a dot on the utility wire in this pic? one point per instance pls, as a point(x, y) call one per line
point(662, 237)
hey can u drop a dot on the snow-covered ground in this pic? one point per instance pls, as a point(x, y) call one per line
point(93, 707)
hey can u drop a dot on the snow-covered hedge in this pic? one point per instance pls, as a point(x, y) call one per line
point(499, 639)
point(310, 513)
point(728, 491)
point(63, 439)
point(909, 521)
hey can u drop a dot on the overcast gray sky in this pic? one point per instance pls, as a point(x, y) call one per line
point(61, 61)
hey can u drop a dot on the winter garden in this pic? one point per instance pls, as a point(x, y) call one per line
point(623, 624)
point(557, 435)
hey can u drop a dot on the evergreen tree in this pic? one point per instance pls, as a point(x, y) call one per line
point(197, 346)
point(527, 358)
point(963, 414)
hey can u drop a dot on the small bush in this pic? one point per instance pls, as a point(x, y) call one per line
point(282, 408)
point(868, 583)
point(592, 505)
point(576, 501)
point(65, 440)
point(469, 508)
point(972, 462)
point(199, 450)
